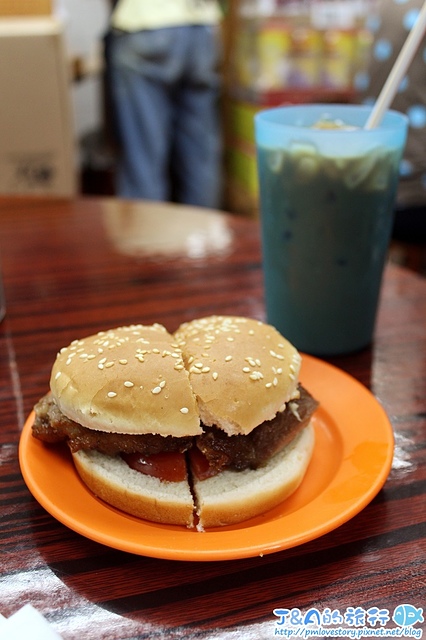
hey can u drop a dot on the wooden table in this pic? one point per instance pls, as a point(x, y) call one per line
point(71, 268)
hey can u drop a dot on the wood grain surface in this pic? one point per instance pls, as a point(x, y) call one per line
point(73, 267)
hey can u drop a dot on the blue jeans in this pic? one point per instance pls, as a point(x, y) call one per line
point(164, 87)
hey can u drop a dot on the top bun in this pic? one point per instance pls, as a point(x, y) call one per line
point(241, 370)
point(127, 380)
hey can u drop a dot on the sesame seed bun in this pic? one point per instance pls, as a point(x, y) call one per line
point(129, 380)
point(228, 372)
point(140, 495)
point(242, 371)
point(234, 496)
point(227, 498)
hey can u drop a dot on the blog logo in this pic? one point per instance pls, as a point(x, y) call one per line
point(405, 615)
point(353, 622)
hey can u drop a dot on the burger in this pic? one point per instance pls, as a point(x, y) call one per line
point(205, 427)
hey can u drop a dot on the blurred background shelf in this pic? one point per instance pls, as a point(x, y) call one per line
point(275, 52)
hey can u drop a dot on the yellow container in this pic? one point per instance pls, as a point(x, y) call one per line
point(305, 64)
point(241, 121)
point(273, 47)
point(339, 58)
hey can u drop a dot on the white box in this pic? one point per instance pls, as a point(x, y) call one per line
point(37, 142)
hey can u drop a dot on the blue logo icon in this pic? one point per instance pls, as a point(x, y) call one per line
point(405, 615)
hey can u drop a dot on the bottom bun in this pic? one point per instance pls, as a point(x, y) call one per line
point(227, 498)
point(112, 480)
point(235, 496)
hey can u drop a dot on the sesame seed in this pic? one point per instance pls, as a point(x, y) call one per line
point(184, 410)
point(215, 375)
point(128, 384)
point(156, 390)
point(246, 369)
point(102, 361)
point(199, 365)
point(58, 375)
point(275, 382)
point(108, 365)
point(123, 361)
point(100, 366)
point(256, 375)
point(228, 358)
point(111, 394)
point(69, 361)
point(194, 370)
point(205, 369)
point(162, 384)
point(179, 367)
point(156, 351)
point(268, 385)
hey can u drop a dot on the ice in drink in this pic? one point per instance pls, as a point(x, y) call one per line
point(326, 222)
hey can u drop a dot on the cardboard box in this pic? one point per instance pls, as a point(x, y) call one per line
point(25, 7)
point(37, 146)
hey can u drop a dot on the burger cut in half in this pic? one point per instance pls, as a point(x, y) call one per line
point(206, 427)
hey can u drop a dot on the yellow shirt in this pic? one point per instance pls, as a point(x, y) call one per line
point(134, 15)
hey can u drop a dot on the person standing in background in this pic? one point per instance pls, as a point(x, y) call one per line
point(163, 75)
point(390, 28)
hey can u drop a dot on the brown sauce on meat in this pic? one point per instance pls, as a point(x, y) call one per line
point(222, 451)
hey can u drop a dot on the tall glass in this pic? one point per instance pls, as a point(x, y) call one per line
point(327, 197)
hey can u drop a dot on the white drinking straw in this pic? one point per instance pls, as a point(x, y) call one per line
point(399, 69)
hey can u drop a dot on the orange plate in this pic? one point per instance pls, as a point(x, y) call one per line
point(351, 461)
